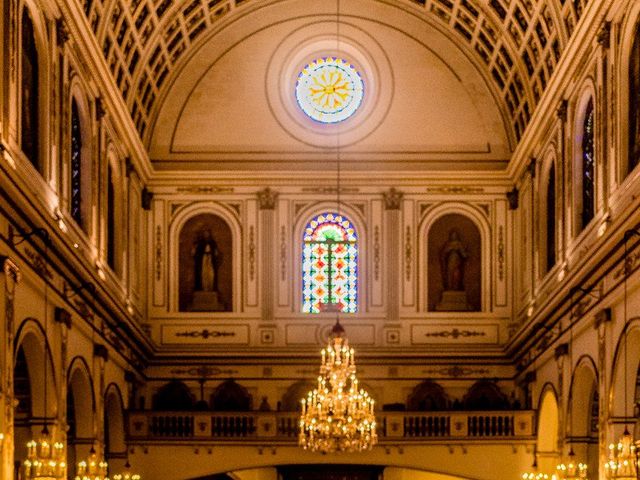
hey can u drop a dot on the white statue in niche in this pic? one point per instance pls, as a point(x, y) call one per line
point(453, 257)
point(207, 259)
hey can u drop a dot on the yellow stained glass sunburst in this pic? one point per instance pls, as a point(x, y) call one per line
point(329, 90)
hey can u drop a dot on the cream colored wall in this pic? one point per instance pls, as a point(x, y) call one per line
point(133, 307)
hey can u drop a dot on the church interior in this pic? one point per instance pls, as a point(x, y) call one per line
point(343, 240)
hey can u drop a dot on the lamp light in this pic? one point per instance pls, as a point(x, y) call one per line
point(337, 416)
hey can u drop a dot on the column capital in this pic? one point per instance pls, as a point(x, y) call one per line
point(267, 199)
point(393, 199)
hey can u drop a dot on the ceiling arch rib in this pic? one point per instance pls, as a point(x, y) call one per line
point(518, 41)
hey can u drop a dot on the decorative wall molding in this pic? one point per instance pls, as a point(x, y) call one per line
point(204, 189)
point(456, 371)
point(456, 334)
point(184, 334)
point(267, 199)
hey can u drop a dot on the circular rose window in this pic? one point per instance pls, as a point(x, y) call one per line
point(329, 90)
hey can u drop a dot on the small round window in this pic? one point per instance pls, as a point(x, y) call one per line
point(329, 90)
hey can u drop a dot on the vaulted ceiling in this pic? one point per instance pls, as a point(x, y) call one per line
point(516, 43)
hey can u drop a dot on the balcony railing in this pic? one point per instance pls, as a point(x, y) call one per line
point(283, 426)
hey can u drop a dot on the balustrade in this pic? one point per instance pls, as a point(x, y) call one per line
point(283, 426)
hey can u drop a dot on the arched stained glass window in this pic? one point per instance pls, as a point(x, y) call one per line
point(30, 116)
point(588, 166)
point(634, 102)
point(329, 264)
point(111, 218)
point(76, 165)
point(551, 217)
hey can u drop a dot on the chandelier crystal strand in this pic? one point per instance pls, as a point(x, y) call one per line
point(337, 416)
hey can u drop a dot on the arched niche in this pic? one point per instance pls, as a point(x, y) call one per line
point(454, 275)
point(114, 212)
point(583, 412)
point(205, 263)
point(428, 396)
point(114, 432)
point(548, 430)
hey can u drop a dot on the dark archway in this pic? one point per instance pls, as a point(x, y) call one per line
point(427, 396)
point(231, 397)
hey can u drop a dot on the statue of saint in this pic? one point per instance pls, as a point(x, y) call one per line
point(452, 259)
point(207, 259)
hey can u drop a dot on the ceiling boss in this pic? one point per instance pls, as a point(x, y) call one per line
point(329, 90)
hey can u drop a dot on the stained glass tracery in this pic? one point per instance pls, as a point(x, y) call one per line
point(588, 166)
point(329, 264)
point(329, 90)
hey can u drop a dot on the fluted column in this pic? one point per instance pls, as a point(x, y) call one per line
point(267, 200)
point(392, 205)
point(9, 278)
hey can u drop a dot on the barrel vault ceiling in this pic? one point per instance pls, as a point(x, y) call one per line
point(517, 42)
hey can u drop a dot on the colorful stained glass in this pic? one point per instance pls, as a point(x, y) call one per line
point(329, 264)
point(588, 167)
point(329, 90)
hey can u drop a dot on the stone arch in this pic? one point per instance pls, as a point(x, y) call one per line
point(114, 431)
point(31, 337)
point(479, 220)
point(548, 429)
point(80, 410)
point(176, 226)
point(428, 396)
point(32, 352)
point(587, 95)
point(583, 392)
point(358, 221)
point(628, 340)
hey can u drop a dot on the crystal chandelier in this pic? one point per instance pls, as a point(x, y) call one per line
point(93, 468)
point(534, 476)
point(126, 475)
point(337, 416)
point(623, 459)
point(45, 459)
point(572, 470)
